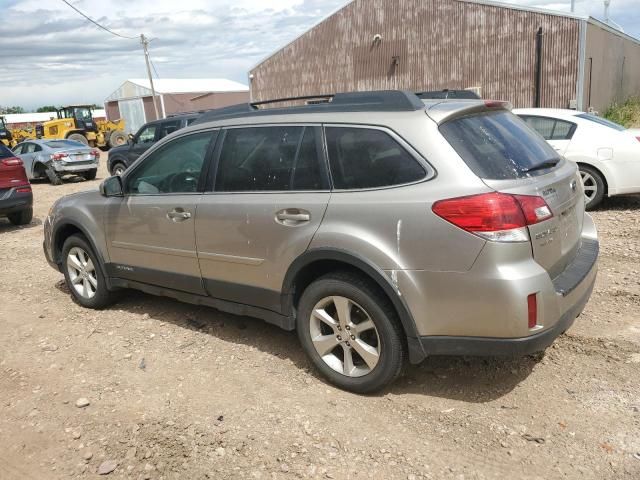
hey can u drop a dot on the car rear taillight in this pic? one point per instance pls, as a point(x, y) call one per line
point(95, 153)
point(11, 162)
point(499, 217)
point(532, 310)
point(59, 156)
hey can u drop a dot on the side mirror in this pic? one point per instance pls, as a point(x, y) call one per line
point(112, 187)
point(130, 139)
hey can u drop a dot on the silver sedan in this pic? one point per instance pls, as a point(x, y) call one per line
point(53, 159)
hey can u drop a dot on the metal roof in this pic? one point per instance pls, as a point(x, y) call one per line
point(191, 85)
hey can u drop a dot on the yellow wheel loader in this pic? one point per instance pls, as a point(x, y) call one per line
point(5, 134)
point(76, 122)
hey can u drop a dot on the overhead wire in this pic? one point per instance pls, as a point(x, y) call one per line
point(98, 24)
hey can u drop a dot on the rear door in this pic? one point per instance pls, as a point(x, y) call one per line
point(509, 158)
point(270, 192)
point(555, 131)
point(27, 155)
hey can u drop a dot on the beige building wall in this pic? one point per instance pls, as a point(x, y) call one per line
point(427, 45)
point(612, 67)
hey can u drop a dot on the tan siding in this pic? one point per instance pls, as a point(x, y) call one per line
point(440, 44)
point(113, 110)
point(615, 72)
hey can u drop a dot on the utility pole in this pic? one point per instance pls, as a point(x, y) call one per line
point(145, 46)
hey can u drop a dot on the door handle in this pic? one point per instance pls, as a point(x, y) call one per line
point(292, 216)
point(178, 215)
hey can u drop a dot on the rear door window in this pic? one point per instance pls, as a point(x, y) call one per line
point(499, 146)
point(550, 128)
point(278, 158)
point(369, 158)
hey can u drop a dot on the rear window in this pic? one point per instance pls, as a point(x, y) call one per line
point(499, 146)
point(64, 144)
point(602, 121)
point(5, 152)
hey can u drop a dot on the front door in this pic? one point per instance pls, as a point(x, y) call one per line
point(150, 231)
point(143, 140)
point(271, 192)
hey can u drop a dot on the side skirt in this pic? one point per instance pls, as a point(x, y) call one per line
point(282, 321)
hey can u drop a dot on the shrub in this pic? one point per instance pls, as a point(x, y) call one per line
point(627, 113)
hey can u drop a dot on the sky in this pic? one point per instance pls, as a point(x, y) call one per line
point(51, 55)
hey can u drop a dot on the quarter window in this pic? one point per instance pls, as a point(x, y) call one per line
point(174, 168)
point(270, 159)
point(369, 158)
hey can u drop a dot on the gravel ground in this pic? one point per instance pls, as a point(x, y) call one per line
point(152, 388)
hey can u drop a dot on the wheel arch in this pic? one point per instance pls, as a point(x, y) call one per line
point(65, 230)
point(317, 262)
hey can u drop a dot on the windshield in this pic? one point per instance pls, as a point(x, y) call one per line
point(602, 121)
point(499, 146)
point(83, 113)
point(64, 144)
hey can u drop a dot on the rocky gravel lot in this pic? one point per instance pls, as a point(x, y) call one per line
point(153, 389)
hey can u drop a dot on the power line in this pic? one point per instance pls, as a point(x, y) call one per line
point(98, 25)
point(153, 65)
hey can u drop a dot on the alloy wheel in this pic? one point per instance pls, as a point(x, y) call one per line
point(344, 336)
point(82, 273)
point(590, 185)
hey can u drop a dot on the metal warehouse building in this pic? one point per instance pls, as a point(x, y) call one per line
point(133, 100)
point(529, 56)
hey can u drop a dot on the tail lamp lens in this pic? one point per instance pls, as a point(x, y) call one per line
point(11, 162)
point(95, 153)
point(58, 156)
point(495, 216)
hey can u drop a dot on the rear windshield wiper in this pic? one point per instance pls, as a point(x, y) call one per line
point(542, 166)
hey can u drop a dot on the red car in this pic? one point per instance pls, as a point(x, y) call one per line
point(16, 198)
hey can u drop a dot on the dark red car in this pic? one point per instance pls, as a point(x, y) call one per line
point(16, 198)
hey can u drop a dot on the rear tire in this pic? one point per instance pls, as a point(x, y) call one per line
point(594, 186)
point(23, 217)
point(83, 274)
point(117, 138)
point(53, 177)
point(361, 350)
point(90, 174)
point(78, 137)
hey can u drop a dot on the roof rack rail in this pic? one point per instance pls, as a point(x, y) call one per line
point(191, 112)
point(372, 101)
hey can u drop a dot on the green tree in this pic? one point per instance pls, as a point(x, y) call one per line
point(47, 108)
point(9, 110)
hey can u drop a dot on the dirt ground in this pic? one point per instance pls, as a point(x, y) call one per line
point(177, 391)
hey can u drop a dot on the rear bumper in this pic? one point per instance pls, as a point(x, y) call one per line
point(484, 311)
point(13, 201)
point(486, 346)
point(71, 168)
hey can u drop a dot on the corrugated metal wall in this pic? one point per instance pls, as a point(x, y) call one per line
point(436, 44)
point(612, 63)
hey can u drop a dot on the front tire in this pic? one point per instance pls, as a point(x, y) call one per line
point(83, 274)
point(350, 332)
point(594, 186)
point(118, 168)
point(23, 217)
point(78, 137)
